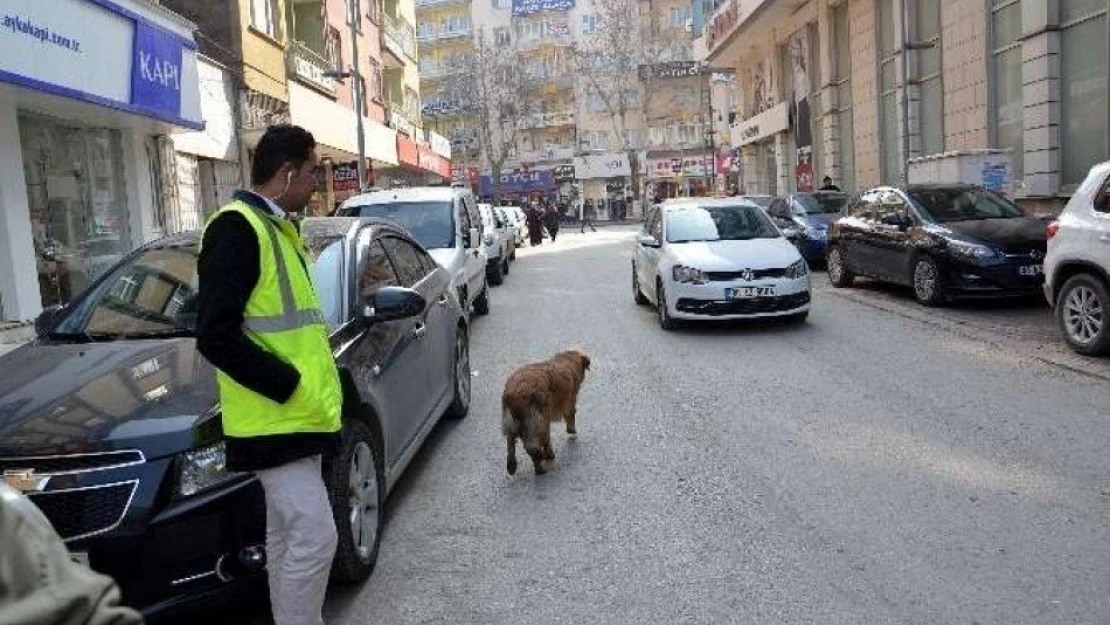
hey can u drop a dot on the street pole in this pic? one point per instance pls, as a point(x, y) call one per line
point(905, 94)
point(712, 131)
point(353, 18)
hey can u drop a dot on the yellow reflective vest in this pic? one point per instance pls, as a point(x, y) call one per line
point(283, 317)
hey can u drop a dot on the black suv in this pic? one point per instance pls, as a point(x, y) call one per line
point(944, 240)
point(109, 420)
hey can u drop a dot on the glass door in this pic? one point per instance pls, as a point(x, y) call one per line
point(77, 201)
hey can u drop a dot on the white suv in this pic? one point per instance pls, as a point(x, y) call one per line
point(1077, 267)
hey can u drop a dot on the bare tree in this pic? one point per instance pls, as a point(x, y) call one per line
point(494, 88)
point(616, 64)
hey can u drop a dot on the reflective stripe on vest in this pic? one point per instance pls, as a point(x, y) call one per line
point(290, 318)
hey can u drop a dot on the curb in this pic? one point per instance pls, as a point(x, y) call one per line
point(971, 332)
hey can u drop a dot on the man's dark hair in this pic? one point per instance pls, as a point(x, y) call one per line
point(281, 143)
point(828, 179)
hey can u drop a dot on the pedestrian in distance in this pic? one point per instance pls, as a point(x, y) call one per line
point(535, 225)
point(588, 217)
point(551, 221)
point(259, 323)
point(828, 185)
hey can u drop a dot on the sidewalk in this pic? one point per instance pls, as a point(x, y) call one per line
point(12, 335)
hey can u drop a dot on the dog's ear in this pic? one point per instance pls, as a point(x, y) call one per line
point(585, 361)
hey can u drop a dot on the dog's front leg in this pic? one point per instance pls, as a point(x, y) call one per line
point(572, 427)
point(537, 453)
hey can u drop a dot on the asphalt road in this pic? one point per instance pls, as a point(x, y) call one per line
point(866, 467)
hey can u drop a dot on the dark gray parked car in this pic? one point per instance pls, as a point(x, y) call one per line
point(109, 420)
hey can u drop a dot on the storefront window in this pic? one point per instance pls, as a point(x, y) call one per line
point(1009, 132)
point(889, 94)
point(843, 81)
point(926, 36)
point(1084, 69)
point(78, 203)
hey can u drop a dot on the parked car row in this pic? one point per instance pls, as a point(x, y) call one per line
point(110, 418)
point(949, 241)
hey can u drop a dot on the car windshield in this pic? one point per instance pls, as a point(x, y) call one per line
point(327, 277)
point(762, 201)
point(964, 204)
point(153, 294)
point(718, 223)
point(822, 203)
point(430, 223)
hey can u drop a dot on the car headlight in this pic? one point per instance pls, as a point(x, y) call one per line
point(798, 269)
point(688, 275)
point(972, 252)
point(489, 240)
point(202, 469)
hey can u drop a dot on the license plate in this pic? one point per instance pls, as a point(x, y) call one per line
point(1031, 270)
point(746, 292)
point(80, 557)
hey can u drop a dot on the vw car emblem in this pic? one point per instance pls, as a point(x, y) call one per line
point(747, 275)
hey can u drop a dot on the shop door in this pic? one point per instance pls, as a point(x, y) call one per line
point(77, 201)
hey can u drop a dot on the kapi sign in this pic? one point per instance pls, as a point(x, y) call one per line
point(671, 69)
point(102, 53)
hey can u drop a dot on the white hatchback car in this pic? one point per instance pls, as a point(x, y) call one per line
point(717, 259)
point(1077, 266)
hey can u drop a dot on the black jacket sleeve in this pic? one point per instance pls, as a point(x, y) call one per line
point(228, 270)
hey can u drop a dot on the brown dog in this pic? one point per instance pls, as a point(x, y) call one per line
point(537, 395)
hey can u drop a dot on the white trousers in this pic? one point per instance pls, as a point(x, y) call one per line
point(300, 540)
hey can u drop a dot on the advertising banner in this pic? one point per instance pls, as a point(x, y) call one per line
point(798, 48)
point(530, 7)
point(519, 182)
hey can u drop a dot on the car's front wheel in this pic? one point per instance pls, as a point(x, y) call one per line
point(1081, 310)
point(495, 273)
point(666, 321)
point(481, 303)
point(839, 275)
point(460, 405)
point(928, 286)
point(356, 488)
point(637, 292)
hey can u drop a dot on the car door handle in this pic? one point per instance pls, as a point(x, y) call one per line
point(420, 330)
point(443, 300)
point(1105, 238)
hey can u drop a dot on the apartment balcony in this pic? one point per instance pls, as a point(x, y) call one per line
point(443, 36)
point(533, 44)
point(547, 154)
point(439, 72)
point(429, 4)
point(404, 117)
point(309, 67)
point(546, 120)
point(398, 41)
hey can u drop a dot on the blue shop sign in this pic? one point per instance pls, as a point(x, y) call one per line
point(156, 70)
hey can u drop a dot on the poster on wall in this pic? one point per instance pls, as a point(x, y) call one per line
point(798, 48)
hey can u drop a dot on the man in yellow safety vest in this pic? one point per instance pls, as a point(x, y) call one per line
point(259, 323)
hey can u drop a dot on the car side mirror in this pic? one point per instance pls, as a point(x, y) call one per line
point(790, 232)
point(648, 240)
point(391, 303)
point(47, 319)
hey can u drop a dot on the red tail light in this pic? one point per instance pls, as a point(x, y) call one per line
point(1053, 228)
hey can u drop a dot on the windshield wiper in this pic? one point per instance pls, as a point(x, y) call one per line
point(81, 337)
point(695, 240)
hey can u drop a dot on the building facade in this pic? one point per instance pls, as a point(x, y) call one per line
point(574, 142)
point(823, 89)
point(89, 93)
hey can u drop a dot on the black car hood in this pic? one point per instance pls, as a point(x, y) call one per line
point(62, 398)
point(1014, 232)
